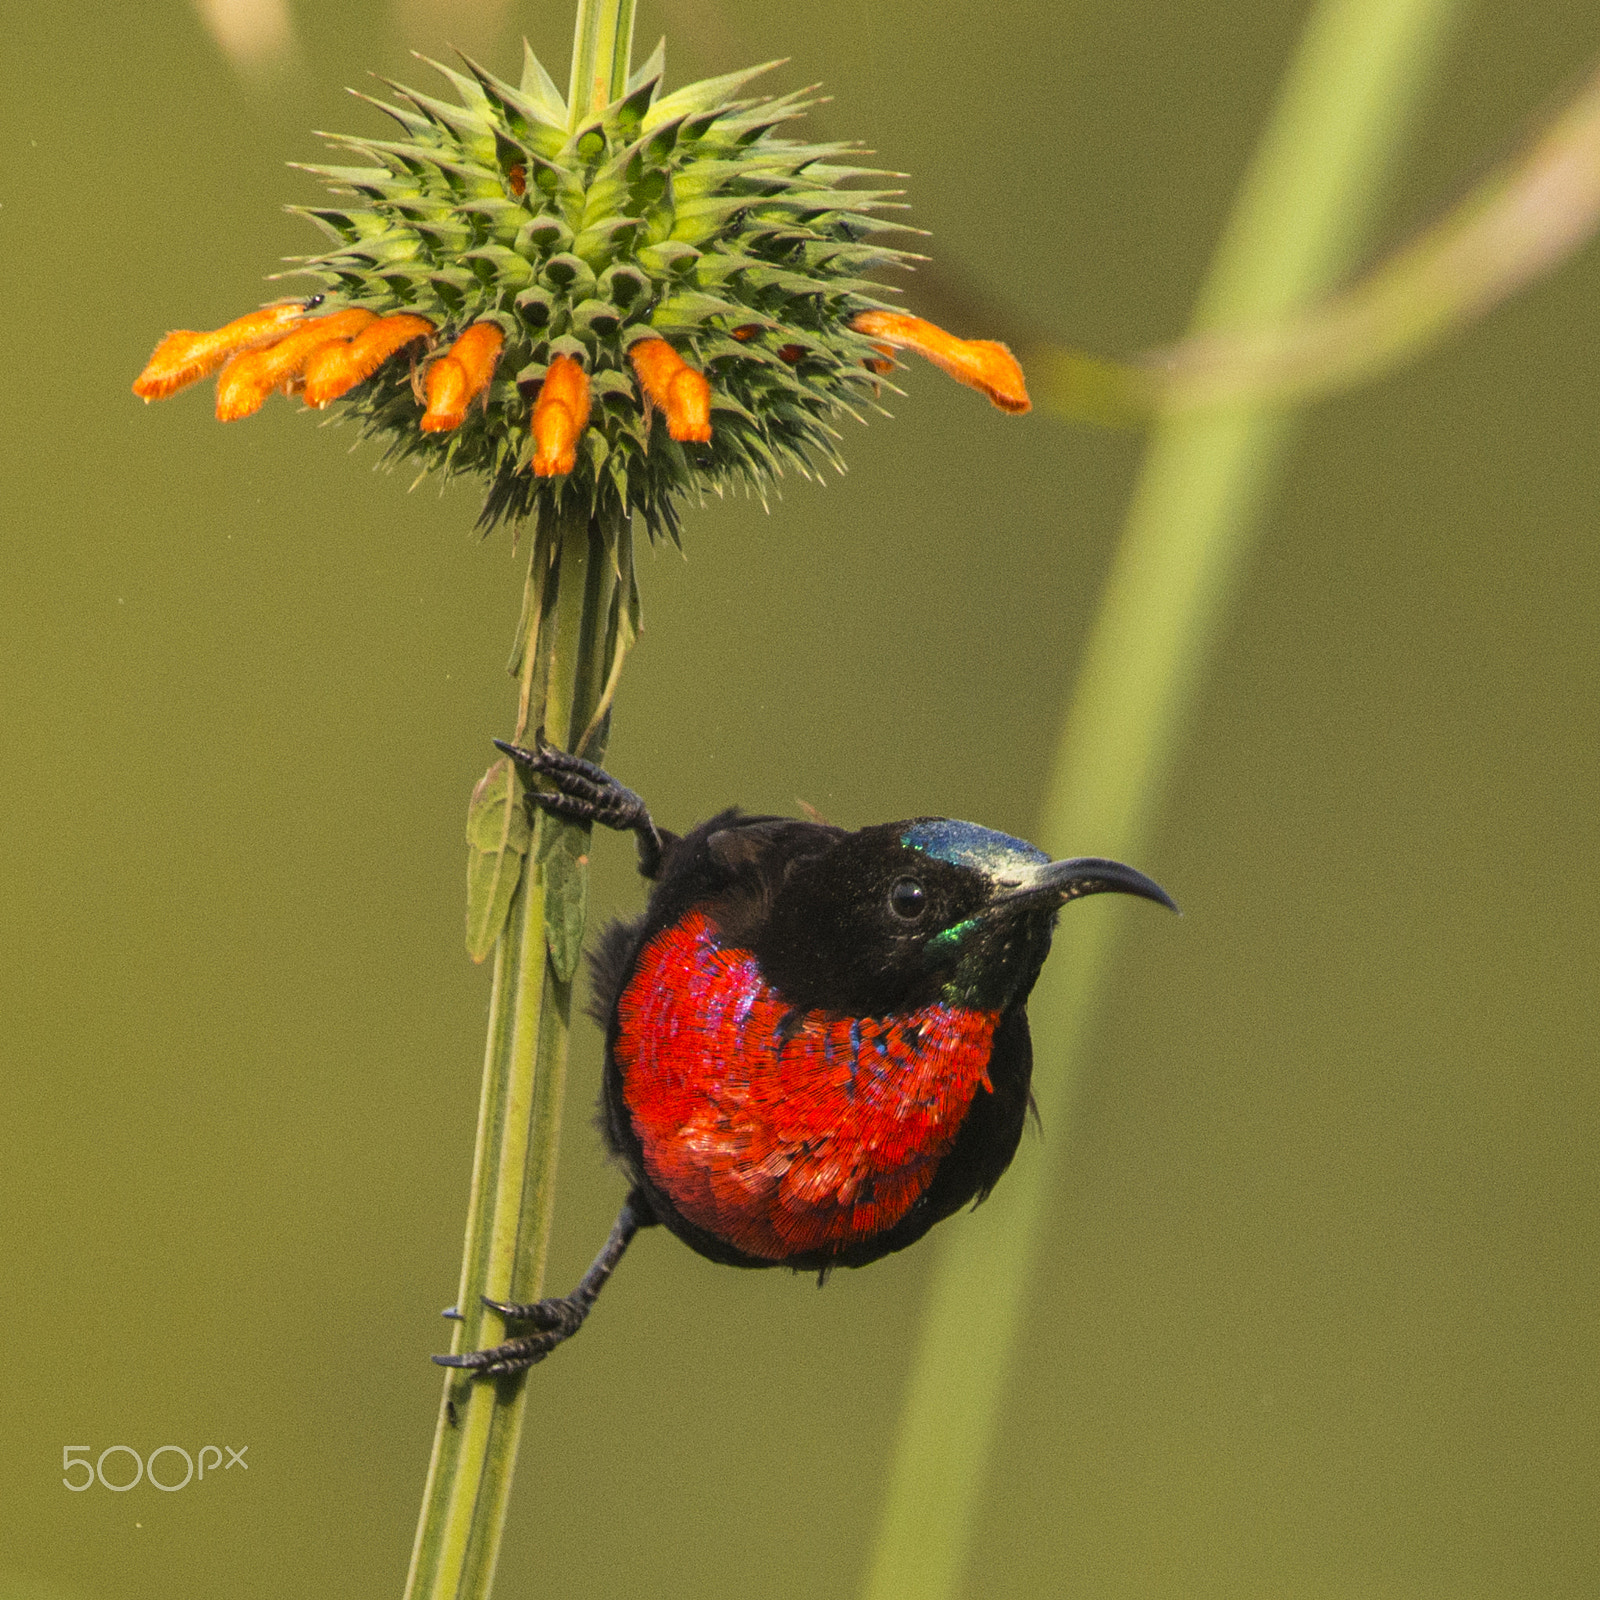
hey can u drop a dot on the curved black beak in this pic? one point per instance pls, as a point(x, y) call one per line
point(1056, 882)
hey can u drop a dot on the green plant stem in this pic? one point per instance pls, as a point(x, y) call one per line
point(1360, 71)
point(578, 587)
point(601, 50)
point(1520, 221)
point(563, 666)
point(1516, 224)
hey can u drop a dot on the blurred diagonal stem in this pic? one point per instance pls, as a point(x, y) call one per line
point(1361, 69)
point(1521, 221)
point(579, 570)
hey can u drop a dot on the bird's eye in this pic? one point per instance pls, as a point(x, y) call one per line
point(907, 899)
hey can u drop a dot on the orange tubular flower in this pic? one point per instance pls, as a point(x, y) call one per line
point(185, 357)
point(446, 382)
point(981, 364)
point(247, 380)
point(672, 384)
point(460, 376)
point(335, 368)
point(559, 417)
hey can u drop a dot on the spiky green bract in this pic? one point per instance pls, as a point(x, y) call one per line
point(684, 216)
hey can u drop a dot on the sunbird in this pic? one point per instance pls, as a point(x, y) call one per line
point(816, 1040)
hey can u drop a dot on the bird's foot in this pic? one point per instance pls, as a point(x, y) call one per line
point(555, 1321)
point(584, 792)
point(558, 1318)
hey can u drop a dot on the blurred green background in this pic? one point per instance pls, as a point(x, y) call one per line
point(1319, 1313)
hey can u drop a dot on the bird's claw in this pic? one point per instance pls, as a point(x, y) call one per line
point(584, 792)
point(555, 1315)
point(515, 1355)
point(556, 1319)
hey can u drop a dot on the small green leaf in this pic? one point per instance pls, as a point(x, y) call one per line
point(569, 274)
point(543, 233)
point(573, 349)
point(536, 306)
point(606, 383)
point(703, 95)
point(624, 284)
point(650, 72)
point(564, 860)
point(497, 840)
point(498, 268)
point(690, 309)
point(671, 255)
point(544, 98)
point(599, 243)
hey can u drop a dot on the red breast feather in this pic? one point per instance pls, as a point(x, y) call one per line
point(785, 1135)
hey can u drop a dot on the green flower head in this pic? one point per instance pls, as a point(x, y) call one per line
point(604, 313)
